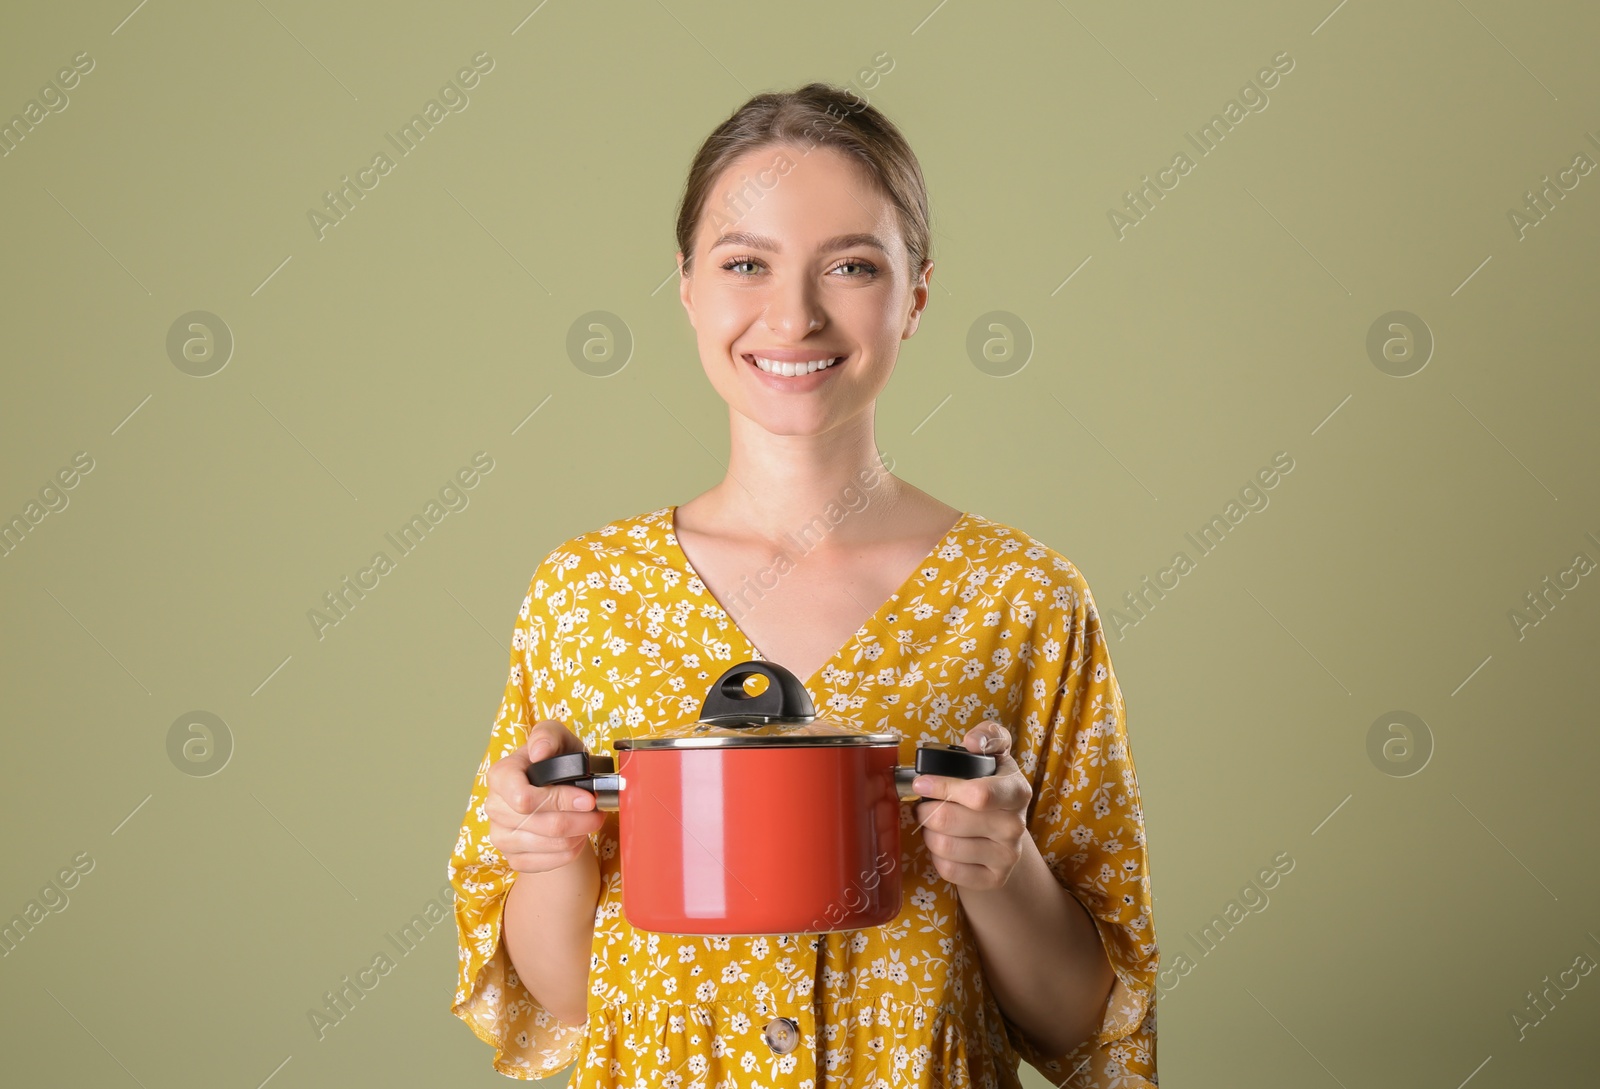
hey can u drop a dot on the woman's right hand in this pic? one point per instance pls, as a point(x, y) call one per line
point(538, 829)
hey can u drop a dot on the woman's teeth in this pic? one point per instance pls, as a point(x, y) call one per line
point(792, 370)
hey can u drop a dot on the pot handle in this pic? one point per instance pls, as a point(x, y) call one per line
point(594, 773)
point(784, 697)
point(934, 758)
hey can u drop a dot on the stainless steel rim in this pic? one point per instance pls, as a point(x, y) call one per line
point(802, 742)
point(745, 718)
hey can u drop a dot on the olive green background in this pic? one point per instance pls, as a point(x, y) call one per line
point(1166, 368)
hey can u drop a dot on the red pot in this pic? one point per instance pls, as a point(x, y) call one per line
point(761, 817)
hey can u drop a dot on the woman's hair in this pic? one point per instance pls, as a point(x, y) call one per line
point(816, 114)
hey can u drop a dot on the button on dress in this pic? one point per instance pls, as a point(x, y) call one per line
point(618, 637)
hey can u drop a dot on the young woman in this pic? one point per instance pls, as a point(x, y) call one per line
point(1027, 931)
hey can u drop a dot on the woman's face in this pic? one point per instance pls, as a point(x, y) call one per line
point(782, 282)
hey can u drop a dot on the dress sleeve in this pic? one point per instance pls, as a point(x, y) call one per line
point(529, 1041)
point(1088, 823)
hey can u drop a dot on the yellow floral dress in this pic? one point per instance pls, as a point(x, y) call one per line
point(618, 637)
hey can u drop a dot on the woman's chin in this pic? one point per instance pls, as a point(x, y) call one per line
point(795, 420)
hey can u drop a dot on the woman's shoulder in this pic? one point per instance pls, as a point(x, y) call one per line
point(1018, 553)
point(647, 536)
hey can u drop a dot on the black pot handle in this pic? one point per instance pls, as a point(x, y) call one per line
point(784, 698)
point(935, 758)
point(953, 760)
point(577, 768)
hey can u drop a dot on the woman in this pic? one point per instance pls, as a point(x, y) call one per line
point(1027, 930)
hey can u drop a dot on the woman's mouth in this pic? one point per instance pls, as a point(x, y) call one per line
point(791, 371)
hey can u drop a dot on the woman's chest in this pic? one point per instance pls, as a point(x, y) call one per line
point(802, 613)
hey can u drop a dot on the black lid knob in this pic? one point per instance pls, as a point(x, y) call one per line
point(785, 699)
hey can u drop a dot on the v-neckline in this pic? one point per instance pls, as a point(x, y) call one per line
point(893, 599)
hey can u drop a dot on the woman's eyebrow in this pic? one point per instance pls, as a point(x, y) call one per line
point(762, 242)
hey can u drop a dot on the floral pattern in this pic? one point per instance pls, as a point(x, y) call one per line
point(619, 637)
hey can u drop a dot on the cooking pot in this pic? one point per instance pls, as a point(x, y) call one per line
point(762, 817)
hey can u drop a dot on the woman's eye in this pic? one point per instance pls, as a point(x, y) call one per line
point(867, 268)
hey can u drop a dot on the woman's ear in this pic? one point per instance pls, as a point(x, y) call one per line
point(685, 283)
point(919, 299)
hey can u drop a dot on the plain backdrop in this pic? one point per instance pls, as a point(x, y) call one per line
point(258, 801)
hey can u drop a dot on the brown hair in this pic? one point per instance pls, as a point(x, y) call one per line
point(816, 114)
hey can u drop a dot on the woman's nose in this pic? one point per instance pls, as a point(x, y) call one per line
point(793, 312)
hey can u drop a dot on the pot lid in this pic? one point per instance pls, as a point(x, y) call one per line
point(781, 714)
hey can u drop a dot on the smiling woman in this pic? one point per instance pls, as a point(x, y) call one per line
point(1027, 931)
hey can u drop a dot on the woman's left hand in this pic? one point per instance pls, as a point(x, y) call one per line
point(976, 829)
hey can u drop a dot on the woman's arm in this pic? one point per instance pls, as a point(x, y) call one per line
point(1041, 953)
point(548, 928)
